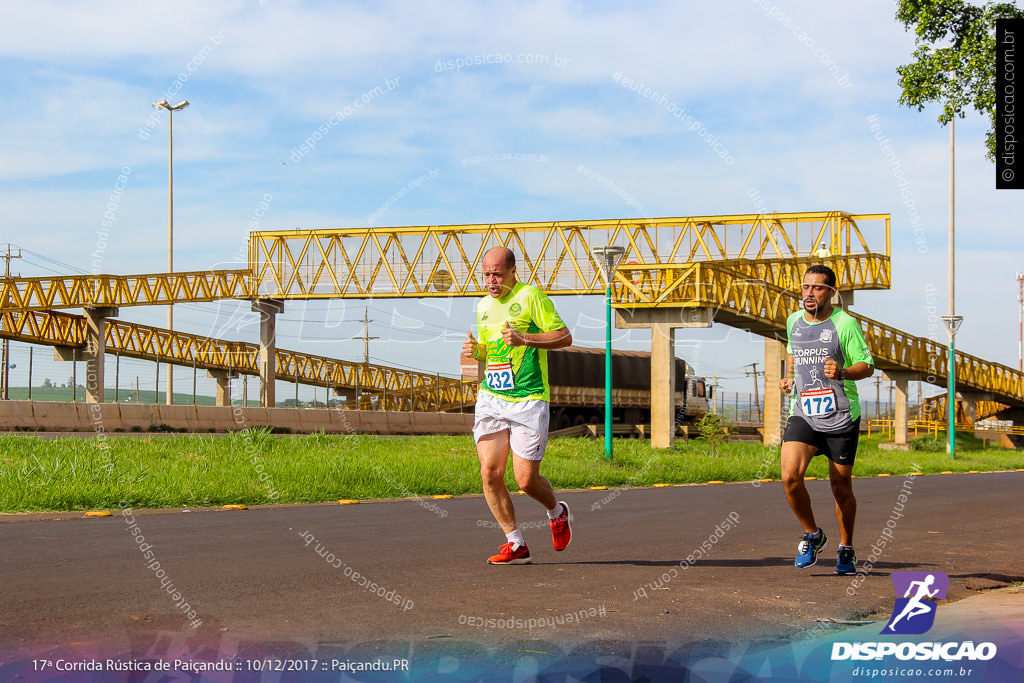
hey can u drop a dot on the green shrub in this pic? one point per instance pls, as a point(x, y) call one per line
point(713, 430)
point(928, 444)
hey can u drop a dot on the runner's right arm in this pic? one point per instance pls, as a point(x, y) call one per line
point(786, 383)
point(472, 349)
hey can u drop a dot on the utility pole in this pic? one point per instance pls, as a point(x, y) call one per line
point(6, 352)
point(757, 399)
point(366, 336)
point(1020, 321)
point(878, 395)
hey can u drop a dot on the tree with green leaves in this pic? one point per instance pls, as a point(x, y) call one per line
point(713, 430)
point(955, 61)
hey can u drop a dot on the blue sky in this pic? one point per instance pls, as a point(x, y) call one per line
point(509, 111)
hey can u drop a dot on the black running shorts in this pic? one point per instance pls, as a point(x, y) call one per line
point(839, 447)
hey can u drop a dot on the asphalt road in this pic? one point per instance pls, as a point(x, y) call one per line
point(255, 579)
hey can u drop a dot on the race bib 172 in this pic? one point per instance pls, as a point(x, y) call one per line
point(818, 402)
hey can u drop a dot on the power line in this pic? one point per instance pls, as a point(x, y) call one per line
point(65, 266)
point(393, 364)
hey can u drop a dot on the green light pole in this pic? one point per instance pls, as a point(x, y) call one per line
point(608, 258)
point(952, 325)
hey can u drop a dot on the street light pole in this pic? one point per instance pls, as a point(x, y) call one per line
point(952, 320)
point(609, 257)
point(163, 104)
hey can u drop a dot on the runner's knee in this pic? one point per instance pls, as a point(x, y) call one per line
point(792, 480)
point(842, 489)
point(527, 480)
point(491, 474)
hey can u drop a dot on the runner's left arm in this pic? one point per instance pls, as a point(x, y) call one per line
point(554, 339)
point(856, 352)
point(553, 333)
point(857, 371)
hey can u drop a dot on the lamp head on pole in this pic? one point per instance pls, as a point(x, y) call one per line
point(164, 104)
point(952, 323)
point(608, 258)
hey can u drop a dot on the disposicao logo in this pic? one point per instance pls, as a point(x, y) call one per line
point(914, 614)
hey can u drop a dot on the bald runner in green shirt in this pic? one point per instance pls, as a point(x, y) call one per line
point(517, 324)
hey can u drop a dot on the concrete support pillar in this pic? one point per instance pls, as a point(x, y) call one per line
point(901, 381)
point(662, 322)
point(900, 418)
point(843, 299)
point(901, 384)
point(776, 405)
point(970, 400)
point(268, 310)
point(223, 378)
point(970, 411)
point(95, 345)
point(663, 384)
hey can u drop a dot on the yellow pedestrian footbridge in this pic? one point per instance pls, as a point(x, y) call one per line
point(742, 270)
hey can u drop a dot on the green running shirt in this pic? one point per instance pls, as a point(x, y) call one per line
point(828, 405)
point(518, 373)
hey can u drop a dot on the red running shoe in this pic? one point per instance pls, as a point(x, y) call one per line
point(561, 534)
point(506, 555)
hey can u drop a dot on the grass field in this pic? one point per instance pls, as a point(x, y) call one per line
point(254, 467)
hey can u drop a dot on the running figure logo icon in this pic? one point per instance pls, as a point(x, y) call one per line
point(912, 614)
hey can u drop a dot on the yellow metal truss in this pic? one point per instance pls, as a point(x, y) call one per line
point(936, 408)
point(442, 261)
point(763, 307)
point(96, 291)
point(746, 267)
point(684, 285)
point(393, 388)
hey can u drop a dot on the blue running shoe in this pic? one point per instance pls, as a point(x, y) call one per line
point(807, 551)
point(847, 562)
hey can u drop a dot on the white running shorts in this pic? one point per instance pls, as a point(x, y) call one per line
point(526, 422)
